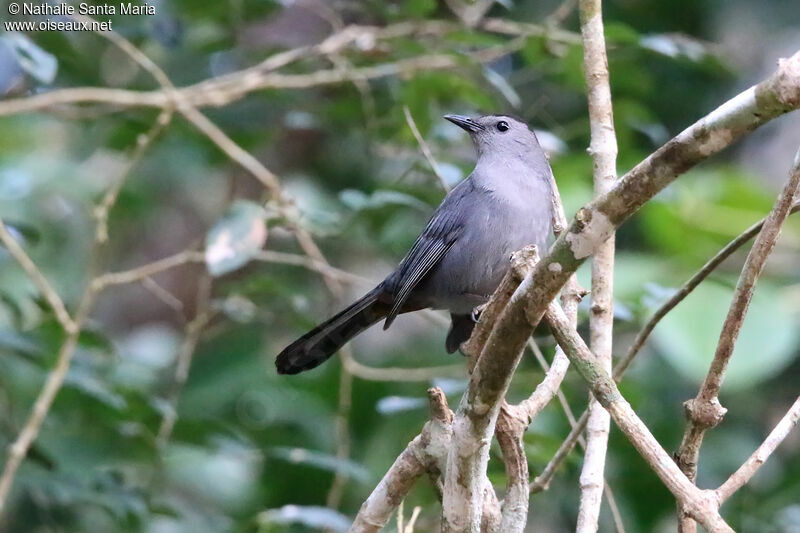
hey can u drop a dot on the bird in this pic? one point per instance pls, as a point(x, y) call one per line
point(464, 251)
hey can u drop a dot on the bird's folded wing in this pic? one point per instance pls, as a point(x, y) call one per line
point(438, 237)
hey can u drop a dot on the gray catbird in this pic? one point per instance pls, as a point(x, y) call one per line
point(463, 252)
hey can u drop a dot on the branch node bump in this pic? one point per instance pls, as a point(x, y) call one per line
point(523, 261)
point(439, 409)
point(705, 413)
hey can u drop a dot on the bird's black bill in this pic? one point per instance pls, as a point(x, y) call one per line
point(466, 123)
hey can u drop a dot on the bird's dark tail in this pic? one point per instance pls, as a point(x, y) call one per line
point(316, 346)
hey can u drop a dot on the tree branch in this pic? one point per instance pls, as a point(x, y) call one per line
point(71, 326)
point(542, 481)
point(701, 504)
point(425, 453)
point(739, 478)
point(603, 149)
point(705, 411)
point(465, 476)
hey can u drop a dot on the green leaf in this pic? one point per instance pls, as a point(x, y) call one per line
point(767, 343)
point(419, 8)
point(620, 33)
point(235, 238)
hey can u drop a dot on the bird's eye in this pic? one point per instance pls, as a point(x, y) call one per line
point(502, 126)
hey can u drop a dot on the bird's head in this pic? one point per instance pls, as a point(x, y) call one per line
point(497, 134)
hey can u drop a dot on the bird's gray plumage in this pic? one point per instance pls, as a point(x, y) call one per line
point(463, 253)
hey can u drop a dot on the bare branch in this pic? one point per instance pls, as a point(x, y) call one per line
point(425, 452)
point(705, 411)
point(143, 142)
point(465, 476)
point(44, 401)
point(543, 480)
point(147, 270)
point(701, 504)
point(625, 361)
point(603, 149)
point(511, 424)
point(739, 478)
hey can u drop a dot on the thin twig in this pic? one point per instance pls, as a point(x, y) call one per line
point(147, 270)
point(315, 265)
point(184, 358)
point(729, 249)
point(163, 295)
point(542, 482)
point(72, 328)
point(705, 411)
point(399, 374)
point(143, 142)
point(700, 504)
point(739, 478)
point(38, 279)
point(423, 146)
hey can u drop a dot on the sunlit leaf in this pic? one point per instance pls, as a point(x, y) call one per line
point(235, 238)
point(674, 45)
point(311, 516)
point(358, 201)
point(394, 404)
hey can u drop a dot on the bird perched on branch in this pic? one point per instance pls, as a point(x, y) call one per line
point(463, 253)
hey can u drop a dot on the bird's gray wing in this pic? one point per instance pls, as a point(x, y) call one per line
point(441, 233)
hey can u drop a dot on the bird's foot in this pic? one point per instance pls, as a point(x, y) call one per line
point(477, 312)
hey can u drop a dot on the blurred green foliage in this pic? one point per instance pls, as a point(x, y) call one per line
point(249, 447)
